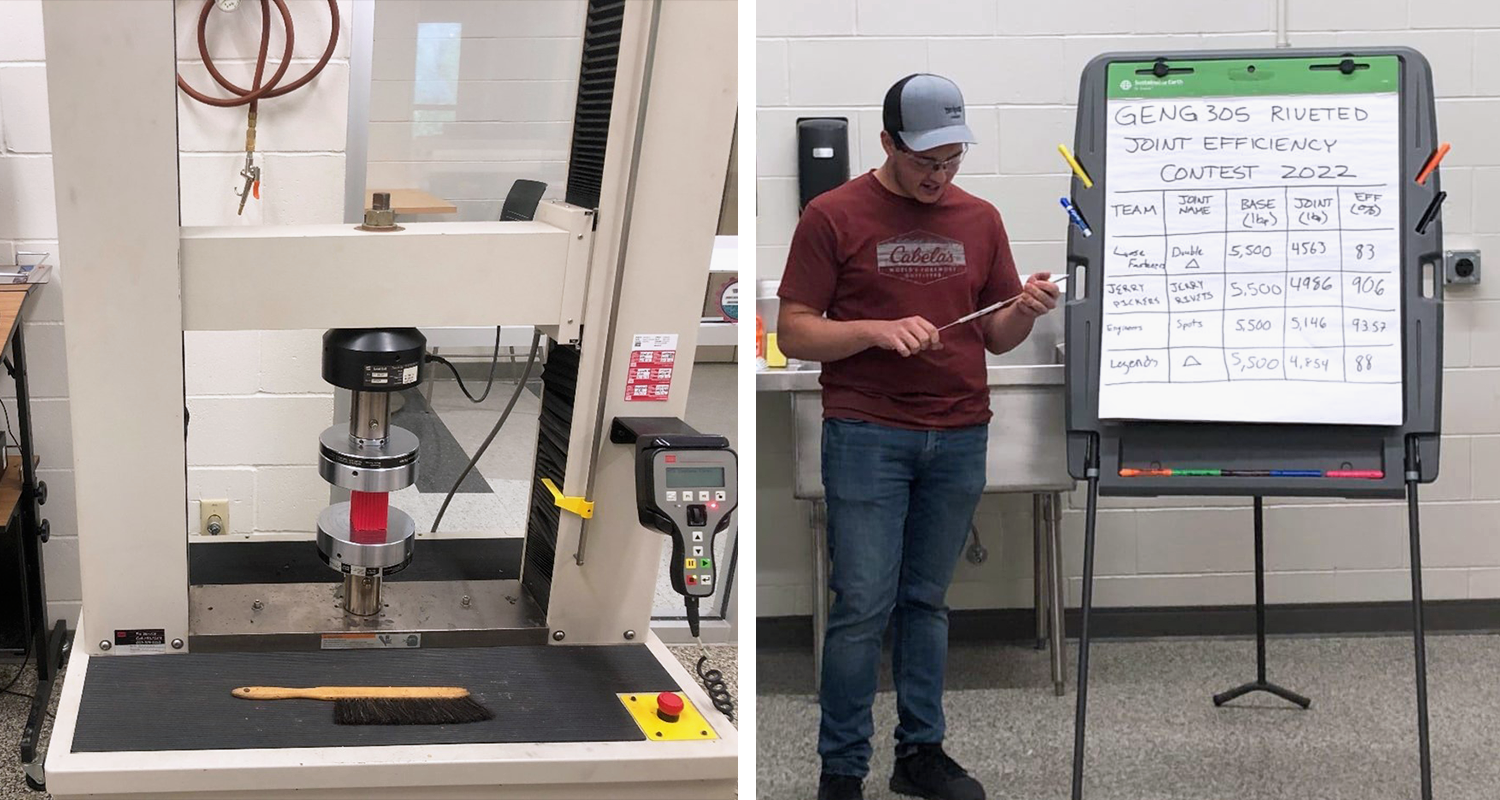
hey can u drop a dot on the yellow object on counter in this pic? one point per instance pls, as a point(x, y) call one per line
point(774, 357)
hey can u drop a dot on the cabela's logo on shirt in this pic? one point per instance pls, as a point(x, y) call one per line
point(920, 257)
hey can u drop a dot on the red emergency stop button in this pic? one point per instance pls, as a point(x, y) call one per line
point(668, 706)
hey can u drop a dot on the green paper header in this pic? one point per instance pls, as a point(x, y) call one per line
point(1253, 77)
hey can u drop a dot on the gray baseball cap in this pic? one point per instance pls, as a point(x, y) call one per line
point(924, 111)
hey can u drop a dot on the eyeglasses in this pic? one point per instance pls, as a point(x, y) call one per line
point(934, 165)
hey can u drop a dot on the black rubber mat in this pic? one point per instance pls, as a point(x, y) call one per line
point(538, 693)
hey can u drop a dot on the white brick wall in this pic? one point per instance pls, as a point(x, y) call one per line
point(511, 106)
point(260, 404)
point(255, 398)
point(1018, 64)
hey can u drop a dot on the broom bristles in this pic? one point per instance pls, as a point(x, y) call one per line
point(422, 711)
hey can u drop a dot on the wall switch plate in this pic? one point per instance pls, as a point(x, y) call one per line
point(1460, 266)
point(213, 517)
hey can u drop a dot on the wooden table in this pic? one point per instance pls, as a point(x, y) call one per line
point(412, 201)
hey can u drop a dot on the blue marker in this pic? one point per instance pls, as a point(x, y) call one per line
point(1076, 217)
point(1296, 473)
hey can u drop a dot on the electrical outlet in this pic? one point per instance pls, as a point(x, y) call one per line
point(213, 517)
point(1461, 266)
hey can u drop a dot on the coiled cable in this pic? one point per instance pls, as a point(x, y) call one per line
point(718, 690)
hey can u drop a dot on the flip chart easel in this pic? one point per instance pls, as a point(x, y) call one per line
point(1257, 313)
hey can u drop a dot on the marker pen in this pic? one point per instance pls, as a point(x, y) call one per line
point(1077, 218)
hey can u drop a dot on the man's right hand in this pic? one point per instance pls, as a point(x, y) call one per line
point(907, 336)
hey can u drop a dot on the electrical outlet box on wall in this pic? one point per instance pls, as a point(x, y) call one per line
point(213, 517)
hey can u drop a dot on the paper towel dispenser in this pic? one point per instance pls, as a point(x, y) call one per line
point(822, 155)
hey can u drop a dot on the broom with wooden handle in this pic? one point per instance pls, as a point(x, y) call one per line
point(383, 705)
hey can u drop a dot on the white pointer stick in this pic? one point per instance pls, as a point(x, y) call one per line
point(1061, 285)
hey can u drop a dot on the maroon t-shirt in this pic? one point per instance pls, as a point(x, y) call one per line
point(862, 252)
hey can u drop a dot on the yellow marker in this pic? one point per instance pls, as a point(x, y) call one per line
point(1077, 168)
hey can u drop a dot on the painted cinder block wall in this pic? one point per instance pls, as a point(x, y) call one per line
point(1018, 64)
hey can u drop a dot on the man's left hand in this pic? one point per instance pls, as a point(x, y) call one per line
point(1038, 296)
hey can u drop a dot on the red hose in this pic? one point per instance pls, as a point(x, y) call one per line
point(270, 88)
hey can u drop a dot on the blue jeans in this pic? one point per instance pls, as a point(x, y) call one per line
point(900, 503)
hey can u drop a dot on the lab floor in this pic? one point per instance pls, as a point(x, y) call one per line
point(13, 710)
point(1153, 733)
point(494, 497)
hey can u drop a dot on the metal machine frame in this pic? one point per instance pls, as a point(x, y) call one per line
point(136, 280)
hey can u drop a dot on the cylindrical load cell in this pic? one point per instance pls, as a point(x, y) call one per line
point(373, 359)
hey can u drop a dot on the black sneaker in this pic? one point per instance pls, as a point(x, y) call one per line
point(840, 787)
point(931, 774)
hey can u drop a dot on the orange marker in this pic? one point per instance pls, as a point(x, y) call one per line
point(1432, 162)
point(1145, 473)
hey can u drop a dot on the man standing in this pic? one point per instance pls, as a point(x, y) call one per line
point(875, 266)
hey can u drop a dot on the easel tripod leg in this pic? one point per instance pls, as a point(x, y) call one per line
point(1081, 712)
point(1260, 684)
point(1419, 639)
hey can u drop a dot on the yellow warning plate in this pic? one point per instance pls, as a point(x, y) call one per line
point(690, 725)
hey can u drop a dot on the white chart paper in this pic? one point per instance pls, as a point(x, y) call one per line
point(1252, 260)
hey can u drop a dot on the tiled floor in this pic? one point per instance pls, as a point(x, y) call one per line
point(1154, 734)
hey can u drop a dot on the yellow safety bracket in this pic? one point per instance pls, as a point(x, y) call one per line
point(578, 505)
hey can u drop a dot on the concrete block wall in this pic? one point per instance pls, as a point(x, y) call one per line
point(1018, 64)
point(255, 397)
point(470, 95)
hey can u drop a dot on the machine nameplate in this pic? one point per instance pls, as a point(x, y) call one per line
point(141, 640)
point(394, 375)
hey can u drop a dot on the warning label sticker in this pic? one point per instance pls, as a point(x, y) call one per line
point(652, 359)
point(364, 641)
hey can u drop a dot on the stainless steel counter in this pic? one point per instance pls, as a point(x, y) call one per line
point(1026, 454)
point(805, 378)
